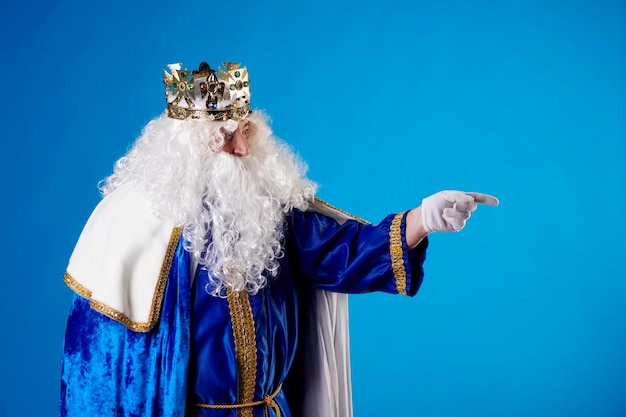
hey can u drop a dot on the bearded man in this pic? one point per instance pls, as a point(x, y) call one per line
point(210, 281)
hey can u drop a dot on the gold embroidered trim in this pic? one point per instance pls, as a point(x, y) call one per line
point(360, 220)
point(157, 299)
point(244, 334)
point(76, 287)
point(397, 257)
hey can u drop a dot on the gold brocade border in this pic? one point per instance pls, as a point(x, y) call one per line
point(397, 257)
point(242, 322)
point(157, 299)
point(360, 220)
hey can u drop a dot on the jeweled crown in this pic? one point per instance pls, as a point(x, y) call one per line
point(202, 95)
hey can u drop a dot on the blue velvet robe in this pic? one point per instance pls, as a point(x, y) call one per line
point(194, 354)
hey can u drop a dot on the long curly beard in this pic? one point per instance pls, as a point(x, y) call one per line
point(244, 212)
point(231, 208)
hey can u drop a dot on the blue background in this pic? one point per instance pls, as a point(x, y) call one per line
point(523, 313)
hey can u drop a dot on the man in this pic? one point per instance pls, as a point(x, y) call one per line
point(210, 281)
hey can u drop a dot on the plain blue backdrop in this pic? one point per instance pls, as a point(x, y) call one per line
point(521, 314)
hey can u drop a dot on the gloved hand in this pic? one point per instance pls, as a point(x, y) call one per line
point(447, 211)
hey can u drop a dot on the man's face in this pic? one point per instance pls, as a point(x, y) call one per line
point(236, 143)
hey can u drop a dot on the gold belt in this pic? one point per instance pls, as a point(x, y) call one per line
point(267, 401)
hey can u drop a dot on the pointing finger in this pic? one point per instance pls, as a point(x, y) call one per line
point(455, 197)
point(484, 199)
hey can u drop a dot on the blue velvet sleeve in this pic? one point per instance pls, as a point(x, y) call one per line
point(356, 257)
point(109, 370)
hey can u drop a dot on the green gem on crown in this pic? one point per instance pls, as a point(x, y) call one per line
point(237, 73)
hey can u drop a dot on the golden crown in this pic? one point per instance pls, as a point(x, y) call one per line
point(201, 95)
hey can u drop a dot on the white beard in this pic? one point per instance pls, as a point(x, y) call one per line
point(244, 208)
point(232, 208)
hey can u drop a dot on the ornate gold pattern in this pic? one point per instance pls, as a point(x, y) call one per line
point(239, 113)
point(242, 322)
point(157, 299)
point(360, 220)
point(267, 401)
point(397, 256)
point(206, 96)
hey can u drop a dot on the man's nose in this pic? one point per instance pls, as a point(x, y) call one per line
point(240, 144)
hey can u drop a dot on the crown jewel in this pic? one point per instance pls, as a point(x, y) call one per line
point(202, 95)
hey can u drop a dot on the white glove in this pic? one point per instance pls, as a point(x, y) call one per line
point(447, 211)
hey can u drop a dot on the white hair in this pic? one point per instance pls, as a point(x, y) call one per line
point(232, 209)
